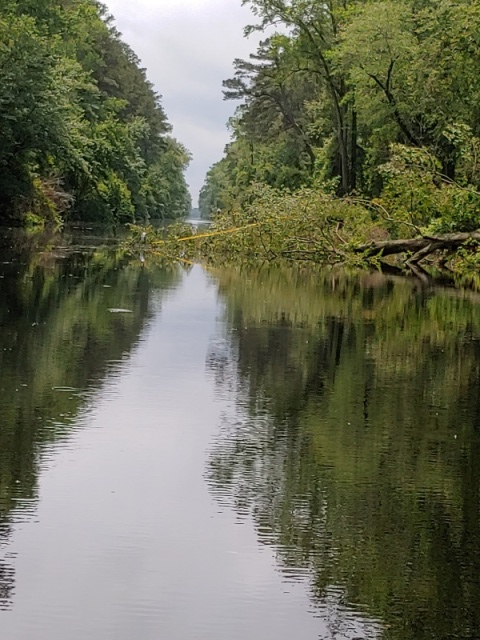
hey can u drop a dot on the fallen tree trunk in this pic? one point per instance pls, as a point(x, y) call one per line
point(420, 247)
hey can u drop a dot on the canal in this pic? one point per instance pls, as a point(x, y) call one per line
point(222, 454)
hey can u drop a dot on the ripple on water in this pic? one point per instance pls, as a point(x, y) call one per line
point(341, 477)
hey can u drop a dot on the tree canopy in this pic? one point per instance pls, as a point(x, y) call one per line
point(378, 100)
point(82, 131)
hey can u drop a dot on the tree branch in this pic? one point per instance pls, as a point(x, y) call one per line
point(421, 247)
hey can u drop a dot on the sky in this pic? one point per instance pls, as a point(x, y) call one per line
point(187, 47)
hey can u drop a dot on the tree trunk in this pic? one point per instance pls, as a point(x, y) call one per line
point(420, 247)
point(343, 150)
point(353, 150)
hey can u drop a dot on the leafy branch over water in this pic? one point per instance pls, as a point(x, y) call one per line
point(310, 225)
point(375, 102)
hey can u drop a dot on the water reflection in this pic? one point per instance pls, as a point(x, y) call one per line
point(349, 437)
point(7, 581)
point(58, 341)
point(354, 442)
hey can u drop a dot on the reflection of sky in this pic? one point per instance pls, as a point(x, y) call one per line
point(188, 47)
point(128, 542)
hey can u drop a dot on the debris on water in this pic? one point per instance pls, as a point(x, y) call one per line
point(120, 311)
point(65, 389)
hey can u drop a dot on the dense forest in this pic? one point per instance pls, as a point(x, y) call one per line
point(82, 131)
point(374, 103)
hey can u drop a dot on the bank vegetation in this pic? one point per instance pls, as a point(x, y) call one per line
point(356, 138)
point(83, 134)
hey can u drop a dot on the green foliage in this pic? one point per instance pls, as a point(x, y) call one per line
point(40, 122)
point(467, 264)
point(214, 193)
point(306, 225)
point(166, 197)
point(115, 198)
point(377, 100)
point(417, 195)
point(76, 108)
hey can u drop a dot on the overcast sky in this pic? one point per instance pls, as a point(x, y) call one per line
point(188, 47)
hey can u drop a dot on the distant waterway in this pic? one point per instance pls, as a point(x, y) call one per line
point(238, 453)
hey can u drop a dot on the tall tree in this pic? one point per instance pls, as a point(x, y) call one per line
point(316, 26)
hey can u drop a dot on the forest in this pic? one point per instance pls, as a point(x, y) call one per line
point(358, 128)
point(83, 134)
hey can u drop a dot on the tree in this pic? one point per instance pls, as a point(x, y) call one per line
point(40, 122)
point(415, 73)
point(79, 121)
point(376, 101)
point(275, 90)
point(316, 27)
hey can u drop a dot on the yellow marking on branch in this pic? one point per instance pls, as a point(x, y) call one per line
point(162, 255)
point(211, 234)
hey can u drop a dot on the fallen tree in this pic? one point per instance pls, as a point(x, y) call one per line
point(418, 248)
point(311, 226)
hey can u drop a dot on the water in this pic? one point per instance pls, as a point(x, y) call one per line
point(188, 453)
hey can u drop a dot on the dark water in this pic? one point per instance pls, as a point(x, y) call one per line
point(221, 455)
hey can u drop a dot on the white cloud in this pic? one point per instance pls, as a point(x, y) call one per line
point(188, 47)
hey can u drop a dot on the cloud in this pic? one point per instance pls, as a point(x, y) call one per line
point(188, 47)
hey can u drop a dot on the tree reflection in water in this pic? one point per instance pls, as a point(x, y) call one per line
point(354, 442)
point(58, 341)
